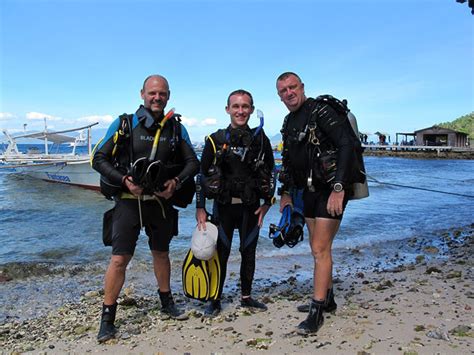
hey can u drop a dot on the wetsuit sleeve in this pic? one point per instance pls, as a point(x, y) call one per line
point(207, 158)
point(191, 162)
point(103, 159)
point(339, 131)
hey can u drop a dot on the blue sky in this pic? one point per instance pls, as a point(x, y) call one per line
point(403, 64)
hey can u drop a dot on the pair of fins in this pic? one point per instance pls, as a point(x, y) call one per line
point(290, 228)
point(201, 278)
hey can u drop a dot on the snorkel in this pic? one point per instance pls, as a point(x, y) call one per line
point(257, 131)
point(158, 133)
point(260, 117)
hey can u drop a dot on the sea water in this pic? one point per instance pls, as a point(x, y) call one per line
point(43, 222)
point(51, 234)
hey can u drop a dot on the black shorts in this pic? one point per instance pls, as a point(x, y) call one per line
point(315, 203)
point(126, 225)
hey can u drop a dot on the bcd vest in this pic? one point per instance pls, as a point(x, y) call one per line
point(238, 169)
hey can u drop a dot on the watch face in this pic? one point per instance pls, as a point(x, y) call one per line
point(338, 187)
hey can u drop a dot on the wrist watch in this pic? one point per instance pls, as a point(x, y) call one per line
point(337, 187)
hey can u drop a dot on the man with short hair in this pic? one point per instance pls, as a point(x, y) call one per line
point(245, 159)
point(324, 201)
point(137, 207)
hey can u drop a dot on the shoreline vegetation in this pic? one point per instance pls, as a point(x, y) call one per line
point(398, 304)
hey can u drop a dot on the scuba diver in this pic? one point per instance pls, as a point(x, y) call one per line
point(237, 171)
point(155, 140)
point(321, 155)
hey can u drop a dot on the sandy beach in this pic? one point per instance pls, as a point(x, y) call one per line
point(419, 307)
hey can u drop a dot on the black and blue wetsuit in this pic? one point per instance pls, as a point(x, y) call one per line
point(158, 215)
point(246, 163)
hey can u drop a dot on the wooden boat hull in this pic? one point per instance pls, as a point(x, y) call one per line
point(77, 172)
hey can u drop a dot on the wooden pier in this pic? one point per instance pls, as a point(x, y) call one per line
point(418, 150)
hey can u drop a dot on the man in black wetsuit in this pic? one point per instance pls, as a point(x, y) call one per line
point(324, 202)
point(136, 208)
point(244, 158)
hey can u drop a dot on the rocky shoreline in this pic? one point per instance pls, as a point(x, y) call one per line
point(423, 306)
point(429, 154)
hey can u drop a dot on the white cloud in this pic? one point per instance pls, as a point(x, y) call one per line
point(6, 116)
point(189, 122)
point(41, 116)
point(81, 121)
point(194, 122)
point(209, 122)
point(102, 119)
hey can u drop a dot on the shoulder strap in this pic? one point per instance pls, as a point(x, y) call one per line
point(125, 124)
point(219, 142)
point(176, 138)
point(125, 133)
point(221, 137)
point(284, 127)
point(314, 103)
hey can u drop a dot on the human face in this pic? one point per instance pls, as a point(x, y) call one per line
point(291, 92)
point(240, 108)
point(155, 95)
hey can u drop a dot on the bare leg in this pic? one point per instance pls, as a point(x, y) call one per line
point(162, 268)
point(115, 277)
point(321, 234)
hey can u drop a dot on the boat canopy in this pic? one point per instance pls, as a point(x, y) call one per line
point(52, 137)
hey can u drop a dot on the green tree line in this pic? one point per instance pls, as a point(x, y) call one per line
point(463, 124)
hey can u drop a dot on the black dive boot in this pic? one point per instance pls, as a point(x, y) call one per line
point(330, 305)
point(314, 320)
point(107, 328)
point(168, 306)
point(213, 308)
point(249, 302)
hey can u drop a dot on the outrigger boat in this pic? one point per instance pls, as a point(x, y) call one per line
point(66, 168)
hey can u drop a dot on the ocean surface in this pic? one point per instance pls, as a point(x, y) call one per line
point(43, 222)
point(51, 235)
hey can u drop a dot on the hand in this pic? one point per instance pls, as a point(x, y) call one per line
point(261, 212)
point(335, 203)
point(201, 218)
point(170, 187)
point(136, 190)
point(284, 201)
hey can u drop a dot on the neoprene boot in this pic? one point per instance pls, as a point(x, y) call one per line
point(168, 306)
point(249, 302)
point(213, 308)
point(314, 320)
point(330, 305)
point(107, 328)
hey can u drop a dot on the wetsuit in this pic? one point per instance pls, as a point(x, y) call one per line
point(299, 157)
point(157, 214)
point(241, 193)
